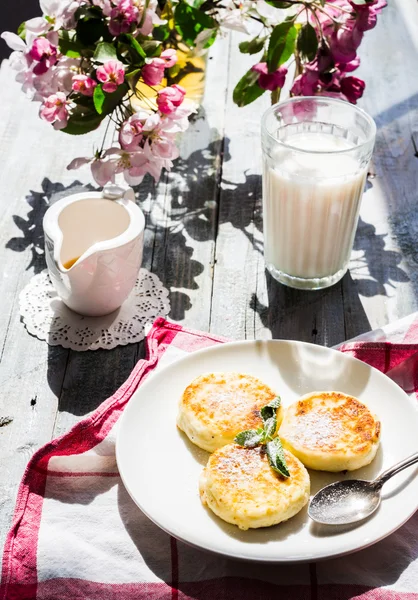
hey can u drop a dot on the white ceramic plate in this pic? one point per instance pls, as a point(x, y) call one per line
point(160, 467)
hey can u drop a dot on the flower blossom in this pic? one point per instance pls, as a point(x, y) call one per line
point(233, 14)
point(150, 19)
point(170, 98)
point(57, 14)
point(122, 16)
point(153, 72)
point(148, 144)
point(111, 74)
point(352, 88)
point(44, 53)
point(131, 133)
point(270, 81)
point(54, 110)
point(83, 85)
point(169, 56)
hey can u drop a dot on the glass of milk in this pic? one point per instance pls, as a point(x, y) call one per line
point(316, 152)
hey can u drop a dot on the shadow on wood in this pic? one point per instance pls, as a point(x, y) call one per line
point(31, 227)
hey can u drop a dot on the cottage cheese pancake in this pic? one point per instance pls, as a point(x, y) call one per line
point(240, 487)
point(215, 407)
point(330, 431)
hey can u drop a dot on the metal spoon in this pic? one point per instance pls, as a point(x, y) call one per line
point(352, 500)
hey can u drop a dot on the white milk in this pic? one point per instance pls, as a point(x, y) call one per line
point(311, 204)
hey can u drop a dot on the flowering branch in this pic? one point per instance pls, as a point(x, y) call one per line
point(85, 60)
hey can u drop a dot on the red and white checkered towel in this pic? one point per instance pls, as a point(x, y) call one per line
point(77, 535)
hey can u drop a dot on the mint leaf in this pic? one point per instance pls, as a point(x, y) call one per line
point(270, 410)
point(281, 45)
point(105, 52)
point(307, 42)
point(269, 428)
point(247, 89)
point(275, 455)
point(250, 438)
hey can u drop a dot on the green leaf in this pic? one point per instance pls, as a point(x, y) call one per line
point(105, 52)
point(269, 428)
point(307, 42)
point(82, 121)
point(105, 103)
point(69, 45)
point(275, 455)
point(211, 37)
point(151, 47)
point(247, 89)
point(98, 98)
point(253, 46)
point(133, 77)
point(90, 30)
point(279, 4)
point(281, 45)
point(190, 21)
point(135, 45)
point(161, 33)
point(250, 438)
point(21, 30)
point(270, 410)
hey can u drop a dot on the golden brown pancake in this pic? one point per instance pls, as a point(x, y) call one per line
point(240, 487)
point(330, 431)
point(215, 407)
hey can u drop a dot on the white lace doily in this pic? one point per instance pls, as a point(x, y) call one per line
point(47, 317)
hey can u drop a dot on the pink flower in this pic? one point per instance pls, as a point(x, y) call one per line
point(44, 53)
point(350, 66)
point(269, 81)
point(352, 88)
point(150, 19)
point(83, 85)
point(306, 84)
point(122, 16)
point(54, 110)
point(169, 56)
point(153, 72)
point(130, 134)
point(344, 44)
point(170, 98)
point(366, 15)
point(111, 74)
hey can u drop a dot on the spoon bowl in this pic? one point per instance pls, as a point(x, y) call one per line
point(345, 502)
point(352, 500)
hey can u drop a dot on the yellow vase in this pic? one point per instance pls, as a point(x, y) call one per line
point(189, 72)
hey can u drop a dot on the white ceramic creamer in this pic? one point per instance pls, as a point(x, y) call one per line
point(93, 246)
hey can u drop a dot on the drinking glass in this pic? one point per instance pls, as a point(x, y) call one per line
point(316, 152)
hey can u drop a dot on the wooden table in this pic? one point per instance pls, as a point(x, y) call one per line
point(204, 238)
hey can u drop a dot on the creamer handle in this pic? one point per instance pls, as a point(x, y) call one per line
point(113, 191)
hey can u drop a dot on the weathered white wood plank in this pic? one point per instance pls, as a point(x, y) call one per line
point(246, 302)
point(381, 285)
point(384, 265)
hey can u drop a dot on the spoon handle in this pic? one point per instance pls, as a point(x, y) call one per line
point(400, 466)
